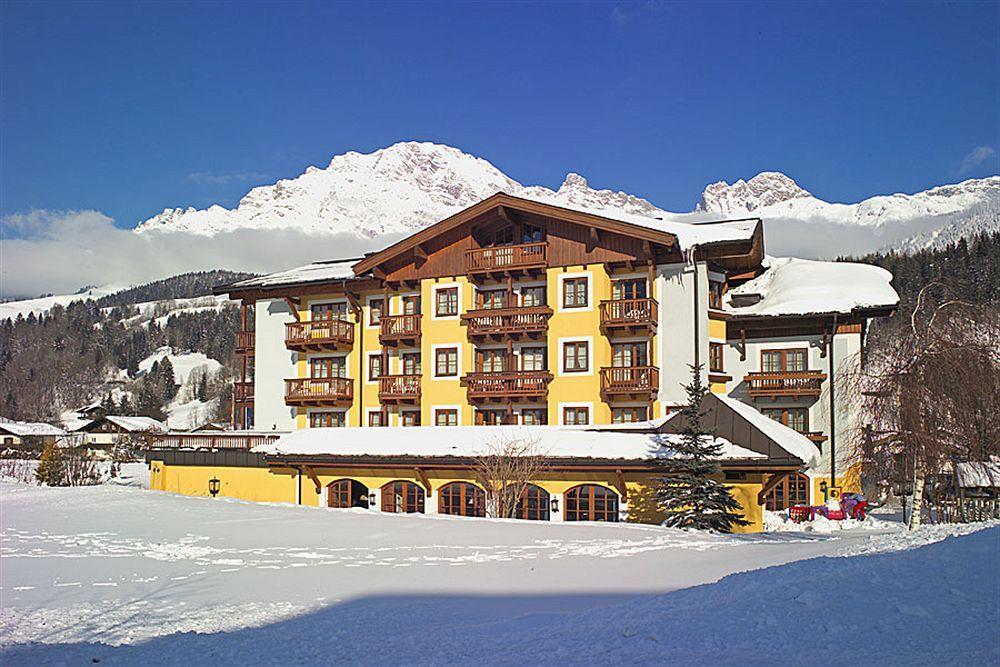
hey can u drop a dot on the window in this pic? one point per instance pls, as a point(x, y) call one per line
point(328, 311)
point(409, 418)
point(534, 416)
point(491, 417)
point(532, 234)
point(715, 292)
point(402, 498)
point(793, 490)
point(795, 418)
point(533, 359)
point(492, 299)
point(502, 236)
point(327, 419)
point(715, 364)
point(446, 302)
point(462, 499)
point(591, 502)
point(411, 305)
point(446, 362)
point(783, 361)
point(630, 288)
point(327, 367)
point(448, 417)
point(346, 493)
point(376, 308)
point(575, 293)
point(629, 355)
point(248, 366)
point(532, 503)
point(378, 418)
point(533, 296)
point(491, 361)
point(374, 367)
point(411, 363)
point(576, 357)
point(576, 416)
point(628, 415)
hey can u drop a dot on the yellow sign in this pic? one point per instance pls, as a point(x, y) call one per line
point(835, 493)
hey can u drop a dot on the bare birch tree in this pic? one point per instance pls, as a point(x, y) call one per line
point(505, 470)
point(930, 396)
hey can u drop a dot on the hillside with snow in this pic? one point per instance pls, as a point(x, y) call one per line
point(410, 185)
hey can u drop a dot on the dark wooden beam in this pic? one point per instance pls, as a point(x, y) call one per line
point(293, 304)
point(315, 480)
point(422, 476)
point(772, 482)
point(622, 487)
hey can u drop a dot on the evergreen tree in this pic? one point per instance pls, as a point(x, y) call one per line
point(50, 466)
point(690, 492)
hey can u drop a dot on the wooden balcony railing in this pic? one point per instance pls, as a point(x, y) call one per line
point(789, 384)
point(398, 328)
point(242, 392)
point(628, 314)
point(319, 335)
point(630, 380)
point(245, 342)
point(319, 391)
point(508, 257)
point(399, 388)
point(508, 385)
point(527, 321)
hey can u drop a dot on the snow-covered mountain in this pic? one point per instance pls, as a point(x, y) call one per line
point(410, 185)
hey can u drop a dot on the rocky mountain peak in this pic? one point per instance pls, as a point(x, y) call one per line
point(764, 189)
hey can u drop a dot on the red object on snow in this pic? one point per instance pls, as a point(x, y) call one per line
point(800, 513)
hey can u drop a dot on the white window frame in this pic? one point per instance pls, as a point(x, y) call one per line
point(310, 411)
point(433, 361)
point(560, 297)
point(435, 288)
point(368, 356)
point(437, 408)
point(367, 314)
point(590, 355)
point(590, 411)
point(369, 411)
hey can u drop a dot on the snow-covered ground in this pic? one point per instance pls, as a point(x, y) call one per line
point(125, 576)
point(44, 304)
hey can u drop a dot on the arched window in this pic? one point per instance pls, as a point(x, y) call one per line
point(462, 499)
point(533, 504)
point(344, 493)
point(792, 490)
point(590, 502)
point(402, 498)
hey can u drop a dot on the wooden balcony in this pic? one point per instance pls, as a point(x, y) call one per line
point(525, 258)
point(530, 321)
point(628, 316)
point(818, 437)
point(399, 329)
point(319, 391)
point(508, 386)
point(319, 335)
point(399, 388)
point(635, 382)
point(243, 392)
point(245, 342)
point(785, 384)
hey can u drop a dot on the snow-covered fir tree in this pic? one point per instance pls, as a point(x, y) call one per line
point(689, 492)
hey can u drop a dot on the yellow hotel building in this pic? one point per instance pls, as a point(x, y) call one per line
point(519, 316)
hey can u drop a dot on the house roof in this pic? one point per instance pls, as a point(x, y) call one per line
point(30, 429)
point(129, 424)
point(984, 474)
point(317, 272)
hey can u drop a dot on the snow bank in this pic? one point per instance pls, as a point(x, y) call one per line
point(44, 304)
point(470, 441)
point(791, 286)
point(778, 522)
point(183, 364)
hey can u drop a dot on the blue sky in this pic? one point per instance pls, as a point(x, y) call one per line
point(130, 108)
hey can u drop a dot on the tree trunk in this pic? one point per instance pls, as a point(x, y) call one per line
point(918, 498)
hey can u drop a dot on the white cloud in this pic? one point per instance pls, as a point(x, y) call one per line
point(209, 178)
point(976, 157)
point(61, 251)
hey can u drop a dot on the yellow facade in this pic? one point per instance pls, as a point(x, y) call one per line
point(578, 389)
point(284, 485)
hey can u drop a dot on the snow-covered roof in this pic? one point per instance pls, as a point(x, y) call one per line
point(785, 437)
point(30, 429)
point(791, 286)
point(978, 474)
point(131, 424)
point(570, 442)
point(316, 272)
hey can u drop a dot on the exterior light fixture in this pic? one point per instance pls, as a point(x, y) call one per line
point(213, 486)
point(371, 500)
point(823, 487)
point(554, 505)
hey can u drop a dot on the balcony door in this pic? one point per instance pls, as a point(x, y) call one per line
point(629, 288)
point(411, 305)
point(783, 361)
point(328, 367)
point(491, 361)
point(328, 311)
point(629, 355)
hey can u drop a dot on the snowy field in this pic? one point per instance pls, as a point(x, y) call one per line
point(122, 575)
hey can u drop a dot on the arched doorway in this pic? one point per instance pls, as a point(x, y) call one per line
point(590, 502)
point(344, 493)
point(462, 499)
point(402, 498)
point(532, 505)
point(792, 490)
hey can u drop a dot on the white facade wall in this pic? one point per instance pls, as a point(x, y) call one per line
point(675, 285)
point(274, 363)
